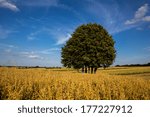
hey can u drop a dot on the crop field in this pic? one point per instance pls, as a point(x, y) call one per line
point(122, 83)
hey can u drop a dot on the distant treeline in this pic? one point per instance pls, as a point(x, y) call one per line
point(133, 65)
point(28, 67)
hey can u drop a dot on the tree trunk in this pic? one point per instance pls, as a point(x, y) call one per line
point(82, 69)
point(104, 66)
point(95, 69)
point(91, 70)
point(85, 69)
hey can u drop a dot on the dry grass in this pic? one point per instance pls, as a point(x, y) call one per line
point(50, 84)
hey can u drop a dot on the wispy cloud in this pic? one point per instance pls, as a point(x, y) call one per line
point(13, 51)
point(110, 16)
point(34, 57)
point(61, 34)
point(7, 47)
point(139, 28)
point(8, 50)
point(132, 60)
point(30, 55)
point(4, 33)
point(9, 5)
point(49, 51)
point(2, 45)
point(139, 16)
point(63, 38)
point(33, 35)
point(147, 49)
point(114, 18)
point(37, 54)
point(39, 3)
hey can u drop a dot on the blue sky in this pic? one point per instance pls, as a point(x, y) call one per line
point(32, 32)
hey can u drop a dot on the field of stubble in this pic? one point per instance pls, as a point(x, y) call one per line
point(128, 83)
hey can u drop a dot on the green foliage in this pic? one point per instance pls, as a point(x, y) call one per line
point(89, 46)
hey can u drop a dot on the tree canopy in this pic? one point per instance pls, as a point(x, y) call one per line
point(89, 48)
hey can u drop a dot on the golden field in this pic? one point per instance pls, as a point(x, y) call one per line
point(122, 83)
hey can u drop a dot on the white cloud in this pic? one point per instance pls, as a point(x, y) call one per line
point(146, 18)
point(61, 34)
point(140, 15)
point(63, 38)
point(34, 57)
point(132, 21)
point(141, 12)
point(9, 5)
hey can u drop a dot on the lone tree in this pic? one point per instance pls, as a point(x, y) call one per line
point(89, 48)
